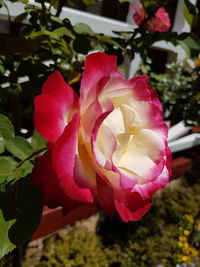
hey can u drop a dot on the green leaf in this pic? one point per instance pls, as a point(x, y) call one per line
point(20, 203)
point(19, 147)
point(192, 9)
point(82, 28)
point(2, 143)
point(6, 127)
point(25, 169)
point(191, 44)
point(89, 2)
point(63, 31)
point(43, 33)
point(56, 19)
point(2, 68)
point(5, 244)
point(7, 169)
point(55, 3)
point(22, 1)
point(37, 141)
point(187, 14)
point(106, 39)
point(81, 44)
point(29, 212)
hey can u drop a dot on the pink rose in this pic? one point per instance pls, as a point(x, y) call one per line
point(138, 12)
point(109, 145)
point(159, 23)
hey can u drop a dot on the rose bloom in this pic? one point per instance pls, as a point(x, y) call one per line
point(107, 146)
point(138, 12)
point(159, 23)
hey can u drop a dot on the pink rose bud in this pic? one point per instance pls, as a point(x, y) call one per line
point(109, 145)
point(160, 22)
point(138, 12)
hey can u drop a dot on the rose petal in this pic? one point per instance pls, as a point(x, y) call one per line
point(97, 66)
point(149, 189)
point(64, 154)
point(131, 206)
point(99, 157)
point(54, 108)
point(105, 197)
point(88, 121)
point(84, 174)
point(46, 180)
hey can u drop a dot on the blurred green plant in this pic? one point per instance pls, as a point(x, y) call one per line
point(178, 90)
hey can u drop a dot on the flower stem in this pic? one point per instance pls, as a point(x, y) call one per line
point(35, 153)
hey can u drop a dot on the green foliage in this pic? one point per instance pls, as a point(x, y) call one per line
point(20, 203)
point(19, 147)
point(5, 244)
point(20, 212)
point(76, 247)
point(178, 91)
point(7, 169)
point(191, 45)
point(6, 127)
point(82, 28)
point(191, 7)
point(37, 141)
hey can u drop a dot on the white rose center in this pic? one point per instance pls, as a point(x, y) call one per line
point(124, 141)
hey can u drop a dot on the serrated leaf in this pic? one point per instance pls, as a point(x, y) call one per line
point(5, 244)
point(19, 147)
point(25, 169)
point(37, 141)
point(7, 169)
point(82, 28)
point(6, 127)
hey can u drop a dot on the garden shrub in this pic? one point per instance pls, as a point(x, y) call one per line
point(78, 247)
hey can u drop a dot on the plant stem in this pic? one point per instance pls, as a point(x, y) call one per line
point(36, 152)
point(44, 11)
point(61, 3)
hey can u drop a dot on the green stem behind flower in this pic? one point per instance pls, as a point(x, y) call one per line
point(35, 153)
